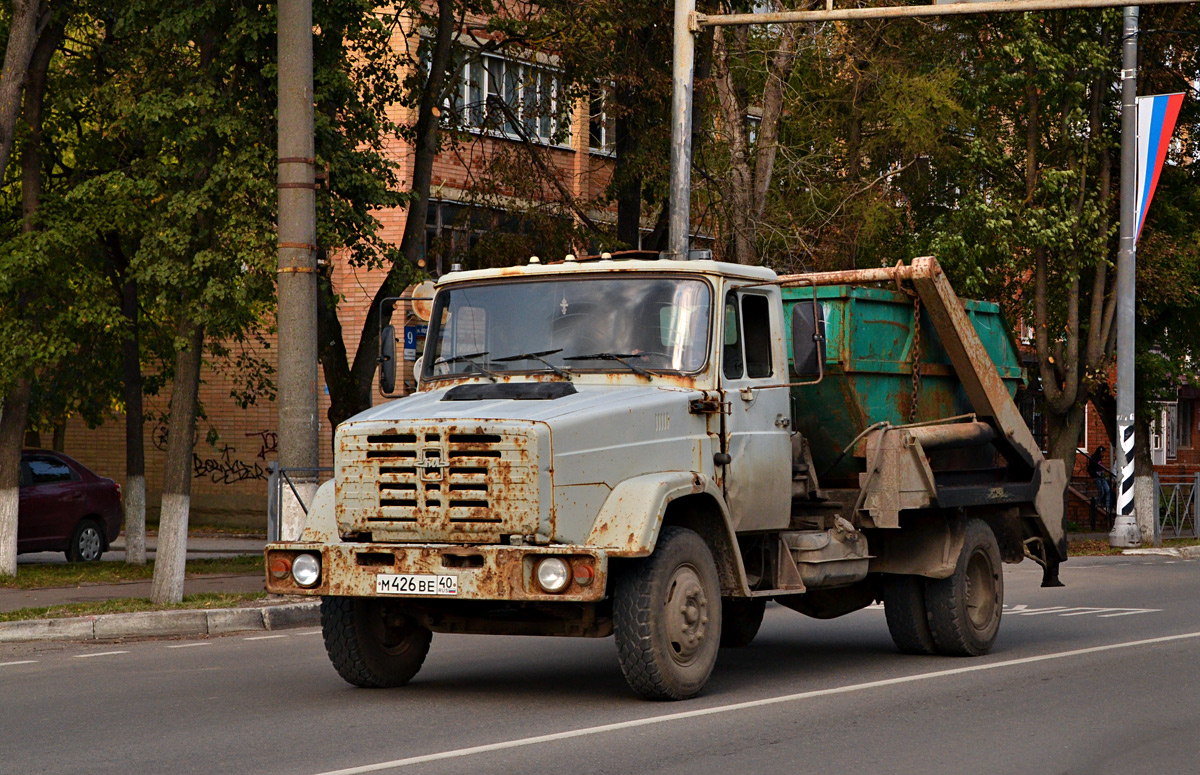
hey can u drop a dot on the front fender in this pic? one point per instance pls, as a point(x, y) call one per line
point(321, 522)
point(630, 519)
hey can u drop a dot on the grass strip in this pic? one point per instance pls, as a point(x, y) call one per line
point(72, 574)
point(125, 605)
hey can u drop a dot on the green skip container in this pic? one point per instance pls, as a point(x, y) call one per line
point(868, 369)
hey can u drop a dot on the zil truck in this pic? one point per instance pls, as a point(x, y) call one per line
point(654, 449)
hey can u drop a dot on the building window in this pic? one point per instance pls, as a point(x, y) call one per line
point(537, 107)
point(453, 232)
point(602, 124)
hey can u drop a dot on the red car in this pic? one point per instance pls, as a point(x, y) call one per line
point(65, 507)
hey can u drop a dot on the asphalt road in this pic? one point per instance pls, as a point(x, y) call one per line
point(1098, 677)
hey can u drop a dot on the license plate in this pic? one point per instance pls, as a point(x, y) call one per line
point(415, 584)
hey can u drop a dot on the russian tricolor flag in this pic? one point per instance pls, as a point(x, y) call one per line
point(1156, 120)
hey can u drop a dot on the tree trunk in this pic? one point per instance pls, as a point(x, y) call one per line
point(135, 451)
point(357, 397)
point(29, 18)
point(727, 47)
point(1063, 431)
point(12, 430)
point(628, 182)
point(171, 555)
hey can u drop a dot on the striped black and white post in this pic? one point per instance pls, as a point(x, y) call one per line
point(1125, 486)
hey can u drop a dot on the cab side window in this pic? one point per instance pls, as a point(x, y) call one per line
point(756, 320)
point(732, 358)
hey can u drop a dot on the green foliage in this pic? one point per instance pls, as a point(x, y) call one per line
point(159, 168)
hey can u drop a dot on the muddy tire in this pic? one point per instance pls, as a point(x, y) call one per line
point(907, 616)
point(964, 609)
point(740, 619)
point(369, 648)
point(667, 618)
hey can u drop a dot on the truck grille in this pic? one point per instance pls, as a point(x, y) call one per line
point(438, 483)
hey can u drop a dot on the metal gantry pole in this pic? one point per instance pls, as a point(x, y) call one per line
point(1125, 530)
point(297, 279)
point(681, 130)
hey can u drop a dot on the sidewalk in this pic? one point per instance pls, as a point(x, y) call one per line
point(269, 614)
point(198, 546)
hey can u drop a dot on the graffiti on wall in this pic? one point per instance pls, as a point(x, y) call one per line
point(268, 442)
point(224, 468)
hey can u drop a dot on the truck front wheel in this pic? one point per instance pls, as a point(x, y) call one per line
point(964, 609)
point(371, 646)
point(667, 618)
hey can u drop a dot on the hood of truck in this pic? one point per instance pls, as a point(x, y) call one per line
point(423, 468)
point(594, 400)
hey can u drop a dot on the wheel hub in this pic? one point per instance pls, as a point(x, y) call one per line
point(980, 591)
point(89, 544)
point(687, 614)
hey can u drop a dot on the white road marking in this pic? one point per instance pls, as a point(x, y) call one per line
point(311, 632)
point(1055, 609)
point(265, 637)
point(188, 645)
point(1062, 610)
point(22, 662)
point(719, 709)
point(100, 654)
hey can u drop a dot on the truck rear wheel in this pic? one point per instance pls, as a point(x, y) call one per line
point(369, 646)
point(740, 619)
point(667, 618)
point(964, 609)
point(907, 616)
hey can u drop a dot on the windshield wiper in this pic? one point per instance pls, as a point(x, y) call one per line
point(618, 357)
point(539, 357)
point(468, 358)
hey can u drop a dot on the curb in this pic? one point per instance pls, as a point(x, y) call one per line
point(1183, 552)
point(161, 624)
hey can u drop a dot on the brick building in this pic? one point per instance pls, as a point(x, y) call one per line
point(235, 445)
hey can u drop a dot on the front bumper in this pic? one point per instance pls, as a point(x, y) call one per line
point(490, 572)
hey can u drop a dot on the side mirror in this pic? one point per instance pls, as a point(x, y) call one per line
point(418, 368)
point(387, 359)
point(808, 340)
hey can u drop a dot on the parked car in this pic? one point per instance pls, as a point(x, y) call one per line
point(66, 507)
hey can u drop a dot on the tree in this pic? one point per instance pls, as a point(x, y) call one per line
point(430, 67)
point(32, 41)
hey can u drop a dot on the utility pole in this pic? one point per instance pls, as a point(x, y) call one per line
point(297, 279)
point(682, 69)
point(1125, 531)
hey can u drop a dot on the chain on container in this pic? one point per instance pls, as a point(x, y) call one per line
point(916, 359)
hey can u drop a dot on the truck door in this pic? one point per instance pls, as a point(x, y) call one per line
point(757, 429)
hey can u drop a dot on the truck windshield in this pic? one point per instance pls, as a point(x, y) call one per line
point(652, 324)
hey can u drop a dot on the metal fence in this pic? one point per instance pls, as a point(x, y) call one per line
point(1099, 498)
point(1177, 506)
point(283, 480)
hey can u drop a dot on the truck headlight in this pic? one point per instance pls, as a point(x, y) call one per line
point(553, 574)
point(306, 570)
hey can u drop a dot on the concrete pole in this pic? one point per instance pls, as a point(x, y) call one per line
point(1125, 530)
point(679, 200)
point(297, 313)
